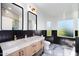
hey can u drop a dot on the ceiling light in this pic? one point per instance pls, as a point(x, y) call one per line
point(9, 8)
point(7, 11)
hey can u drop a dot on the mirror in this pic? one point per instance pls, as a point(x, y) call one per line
point(32, 21)
point(12, 16)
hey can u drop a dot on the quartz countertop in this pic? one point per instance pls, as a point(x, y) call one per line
point(12, 46)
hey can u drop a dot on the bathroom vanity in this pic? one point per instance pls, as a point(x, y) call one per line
point(23, 47)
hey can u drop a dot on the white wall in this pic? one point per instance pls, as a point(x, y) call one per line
point(75, 14)
point(41, 21)
point(54, 24)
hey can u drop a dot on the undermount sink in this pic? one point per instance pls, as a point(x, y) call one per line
point(16, 43)
point(11, 44)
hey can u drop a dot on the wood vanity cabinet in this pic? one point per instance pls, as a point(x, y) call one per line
point(34, 48)
point(29, 50)
point(20, 52)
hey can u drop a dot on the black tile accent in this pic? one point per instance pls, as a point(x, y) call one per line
point(77, 45)
point(54, 35)
point(76, 32)
point(29, 33)
point(53, 38)
point(6, 35)
point(37, 32)
point(19, 34)
point(44, 33)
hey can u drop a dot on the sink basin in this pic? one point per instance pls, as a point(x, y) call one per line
point(11, 44)
point(16, 43)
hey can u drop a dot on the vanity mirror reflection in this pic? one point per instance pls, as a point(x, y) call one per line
point(12, 16)
point(31, 21)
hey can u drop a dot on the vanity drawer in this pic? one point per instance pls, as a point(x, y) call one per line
point(34, 48)
point(37, 46)
point(29, 51)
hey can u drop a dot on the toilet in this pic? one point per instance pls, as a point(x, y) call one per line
point(47, 51)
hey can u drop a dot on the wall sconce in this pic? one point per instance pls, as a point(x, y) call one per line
point(32, 8)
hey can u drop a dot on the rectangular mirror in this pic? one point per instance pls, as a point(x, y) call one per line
point(12, 16)
point(32, 21)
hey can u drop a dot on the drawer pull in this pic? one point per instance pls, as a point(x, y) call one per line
point(19, 53)
point(33, 45)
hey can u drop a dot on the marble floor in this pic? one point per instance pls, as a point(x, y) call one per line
point(59, 50)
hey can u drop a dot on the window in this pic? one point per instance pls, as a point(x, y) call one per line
point(66, 28)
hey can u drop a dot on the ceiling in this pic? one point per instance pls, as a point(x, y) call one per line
point(57, 10)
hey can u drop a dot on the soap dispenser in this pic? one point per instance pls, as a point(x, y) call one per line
point(25, 36)
point(15, 38)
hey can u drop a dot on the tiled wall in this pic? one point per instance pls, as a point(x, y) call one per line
point(7, 35)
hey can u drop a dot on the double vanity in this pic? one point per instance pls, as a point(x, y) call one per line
point(23, 47)
point(12, 19)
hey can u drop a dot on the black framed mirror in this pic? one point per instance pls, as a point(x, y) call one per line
point(31, 21)
point(11, 16)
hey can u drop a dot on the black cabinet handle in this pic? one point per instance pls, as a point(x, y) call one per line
point(19, 53)
point(22, 53)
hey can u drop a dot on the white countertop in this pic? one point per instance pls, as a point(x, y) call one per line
point(12, 46)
